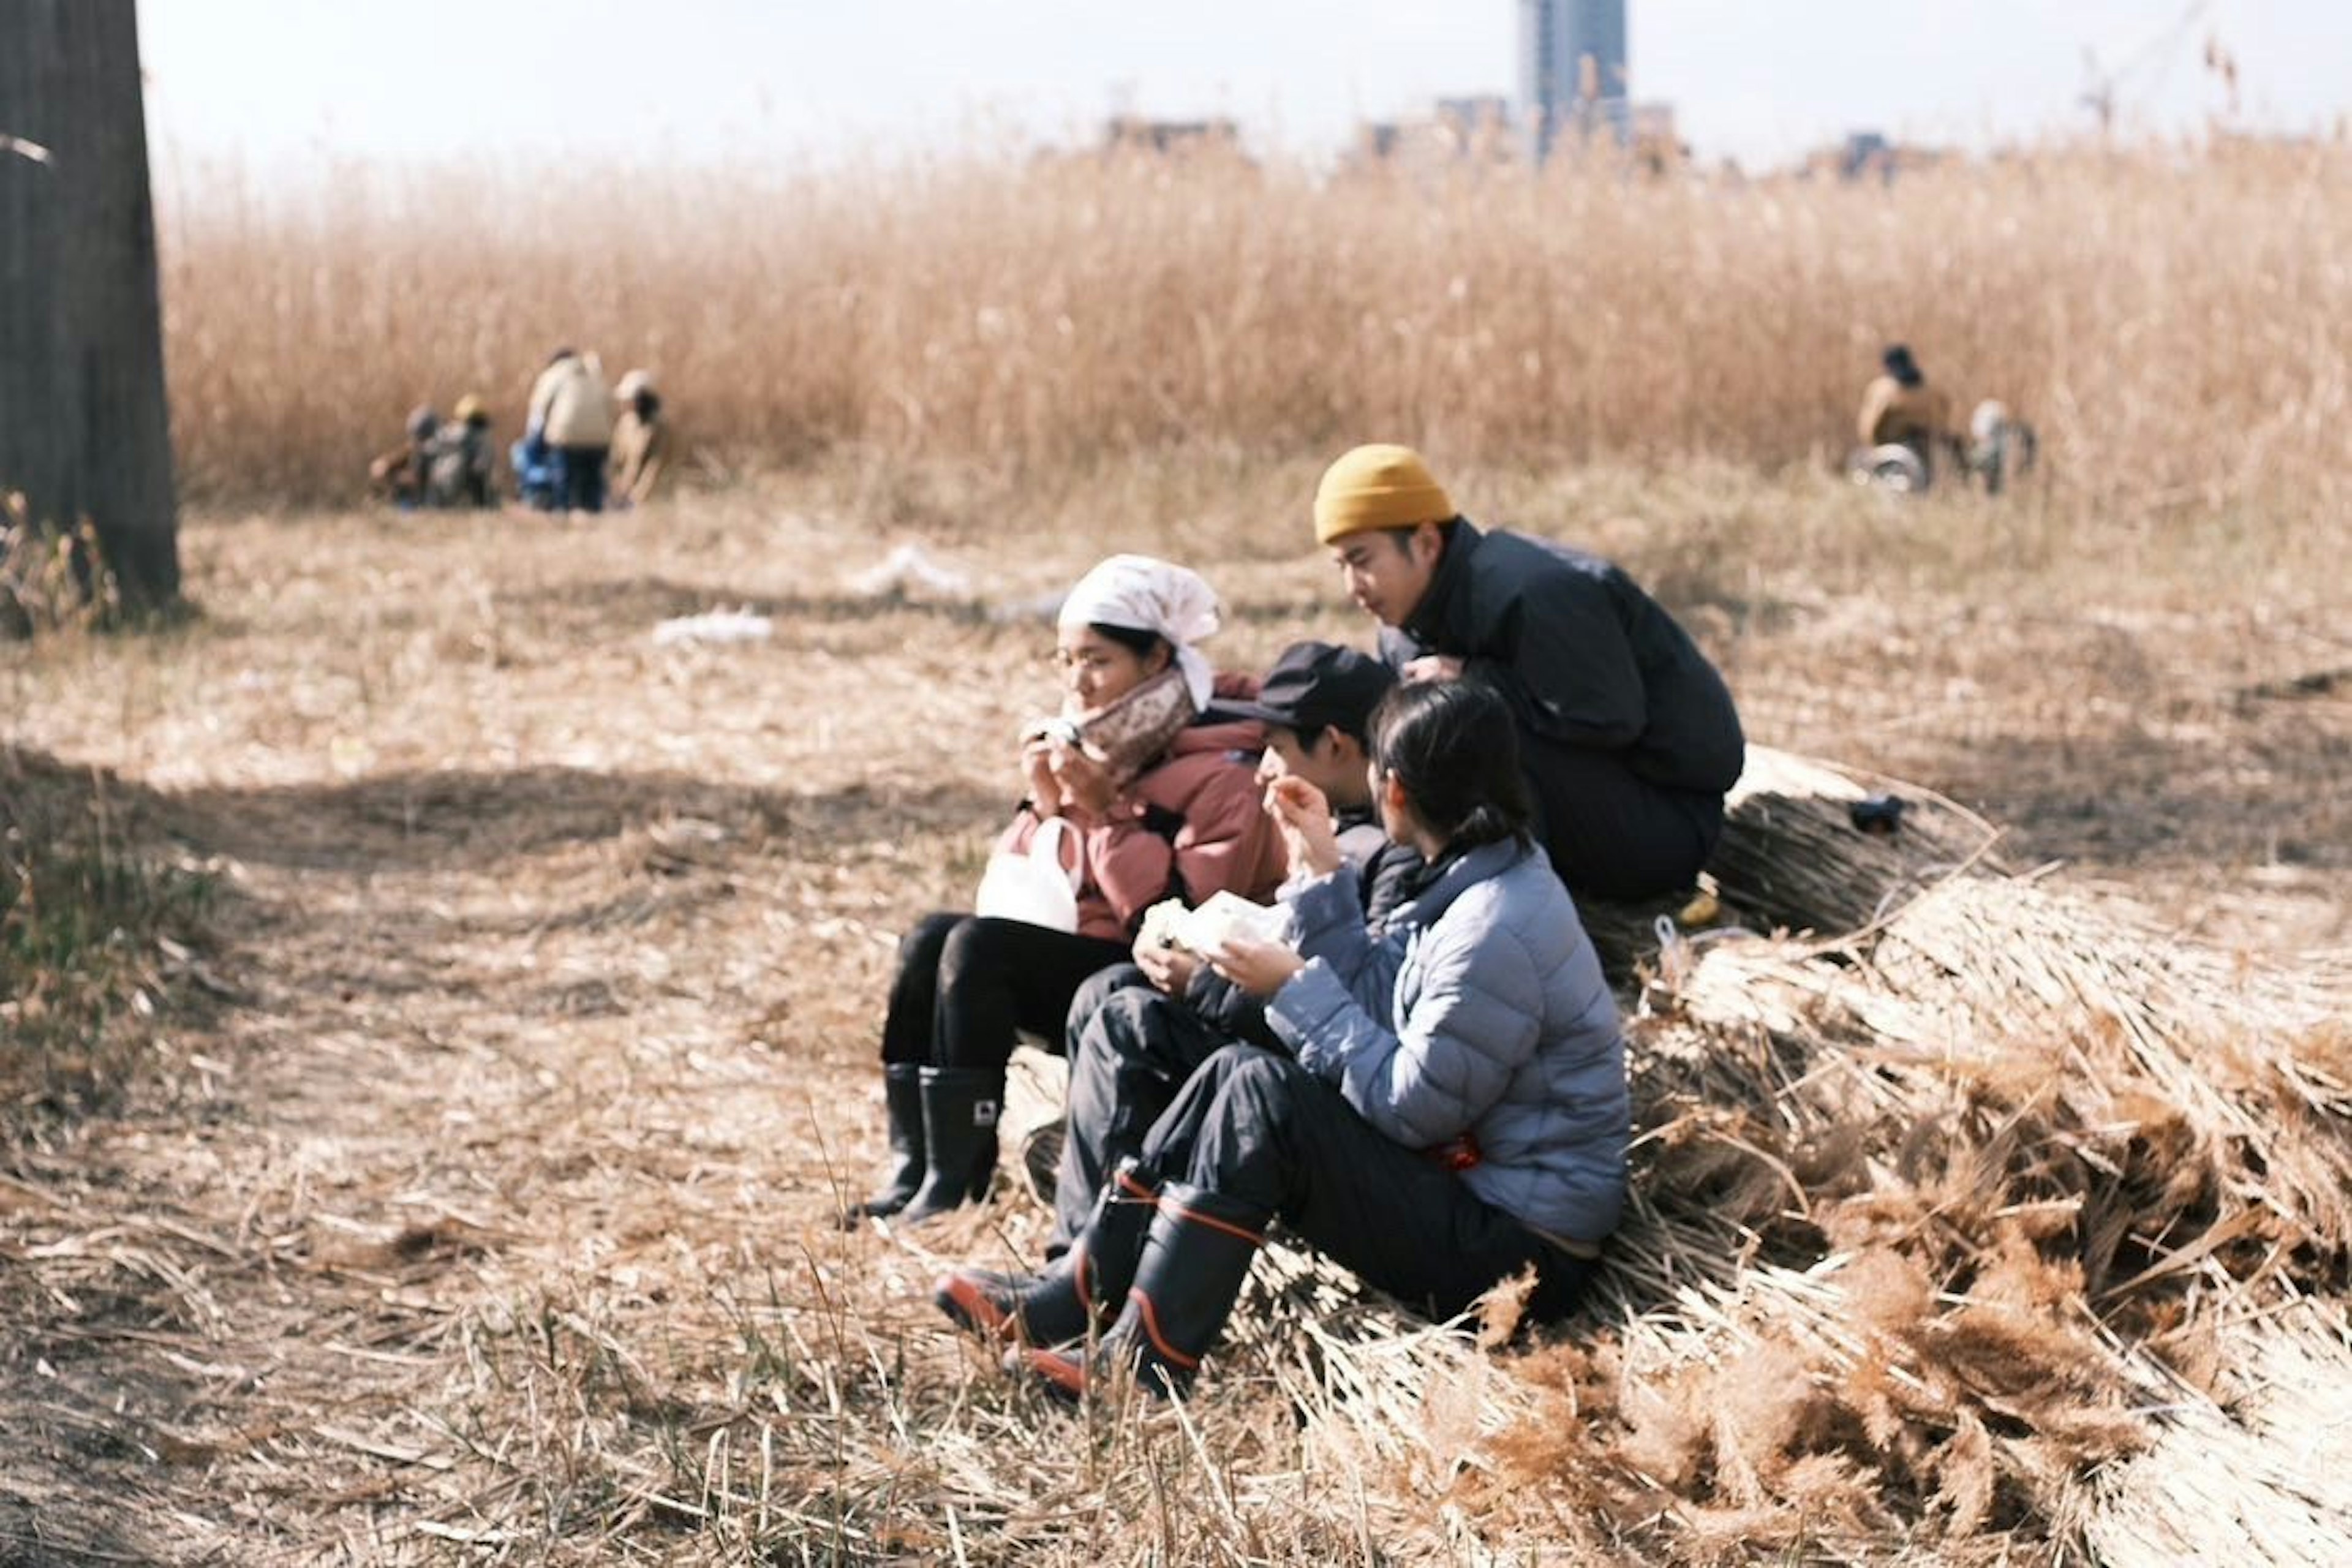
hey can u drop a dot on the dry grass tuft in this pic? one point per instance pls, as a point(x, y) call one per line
point(101, 920)
point(51, 581)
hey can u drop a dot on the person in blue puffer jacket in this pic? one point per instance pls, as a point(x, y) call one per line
point(1456, 1110)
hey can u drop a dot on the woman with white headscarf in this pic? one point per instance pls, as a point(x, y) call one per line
point(1154, 798)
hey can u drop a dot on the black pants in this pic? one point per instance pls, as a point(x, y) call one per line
point(1612, 833)
point(1131, 1048)
point(583, 477)
point(965, 986)
point(1257, 1128)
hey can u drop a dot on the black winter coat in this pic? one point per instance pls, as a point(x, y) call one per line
point(1584, 657)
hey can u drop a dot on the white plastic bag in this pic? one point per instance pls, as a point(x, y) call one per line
point(1032, 886)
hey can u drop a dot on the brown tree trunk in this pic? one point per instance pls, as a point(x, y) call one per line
point(83, 429)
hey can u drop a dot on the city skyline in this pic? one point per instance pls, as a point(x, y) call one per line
point(735, 79)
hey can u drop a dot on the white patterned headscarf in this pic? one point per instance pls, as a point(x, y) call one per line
point(1145, 594)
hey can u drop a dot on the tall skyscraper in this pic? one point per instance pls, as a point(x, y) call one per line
point(1572, 77)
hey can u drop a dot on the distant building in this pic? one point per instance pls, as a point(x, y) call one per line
point(1134, 133)
point(1869, 155)
point(1573, 80)
point(1476, 128)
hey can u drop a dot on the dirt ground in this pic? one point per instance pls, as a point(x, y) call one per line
point(534, 1048)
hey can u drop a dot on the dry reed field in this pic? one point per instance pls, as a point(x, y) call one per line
point(435, 1160)
point(2168, 320)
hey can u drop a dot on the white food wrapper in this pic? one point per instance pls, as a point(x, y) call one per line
point(1203, 929)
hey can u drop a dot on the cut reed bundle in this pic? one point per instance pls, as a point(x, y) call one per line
point(1937, 1228)
point(1793, 856)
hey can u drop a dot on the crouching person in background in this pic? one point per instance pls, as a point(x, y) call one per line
point(398, 475)
point(1149, 795)
point(1900, 409)
point(1454, 1112)
point(642, 440)
point(539, 477)
point(461, 468)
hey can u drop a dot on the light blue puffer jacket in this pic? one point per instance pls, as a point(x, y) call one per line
point(1480, 1009)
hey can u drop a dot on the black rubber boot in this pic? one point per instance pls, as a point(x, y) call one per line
point(960, 1109)
point(1088, 1283)
point(902, 1100)
point(1194, 1262)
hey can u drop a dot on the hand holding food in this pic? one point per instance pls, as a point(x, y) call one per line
point(1170, 968)
point(1303, 816)
point(1085, 783)
point(1257, 967)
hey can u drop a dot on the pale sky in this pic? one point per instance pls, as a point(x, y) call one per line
point(1760, 81)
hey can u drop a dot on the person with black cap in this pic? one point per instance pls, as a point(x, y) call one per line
point(1137, 1030)
point(1628, 734)
point(1900, 409)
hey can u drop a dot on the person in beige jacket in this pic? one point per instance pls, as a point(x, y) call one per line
point(572, 409)
point(644, 445)
point(1900, 409)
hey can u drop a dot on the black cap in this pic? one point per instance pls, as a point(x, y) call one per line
point(1319, 685)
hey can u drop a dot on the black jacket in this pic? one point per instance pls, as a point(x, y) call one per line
point(1584, 657)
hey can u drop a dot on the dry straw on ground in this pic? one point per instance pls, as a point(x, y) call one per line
point(1989, 1232)
point(473, 1200)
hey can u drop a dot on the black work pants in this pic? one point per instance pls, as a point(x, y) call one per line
point(967, 986)
point(1612, 833)
point(1255, 1127)
point(1131, 1048)
point(582, 471)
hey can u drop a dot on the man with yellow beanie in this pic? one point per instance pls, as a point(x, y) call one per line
point(1629, 735)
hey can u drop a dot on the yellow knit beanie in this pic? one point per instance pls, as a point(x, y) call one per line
point(1377, 486)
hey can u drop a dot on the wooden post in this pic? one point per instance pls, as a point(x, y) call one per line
point(84, 433)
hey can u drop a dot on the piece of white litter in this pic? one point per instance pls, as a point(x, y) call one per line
point(1037, 607)
point(908, 565)
point(714, 626)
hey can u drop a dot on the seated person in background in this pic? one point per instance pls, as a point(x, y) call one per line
point(642, 440)
point(1171, 809)
point(1137, 1031)
point(1900, 409)
point(461, 468)
point(539, 477)
point(2002, 446)
point(1628, 734)
point(1454, 1109)
point(399, 475)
